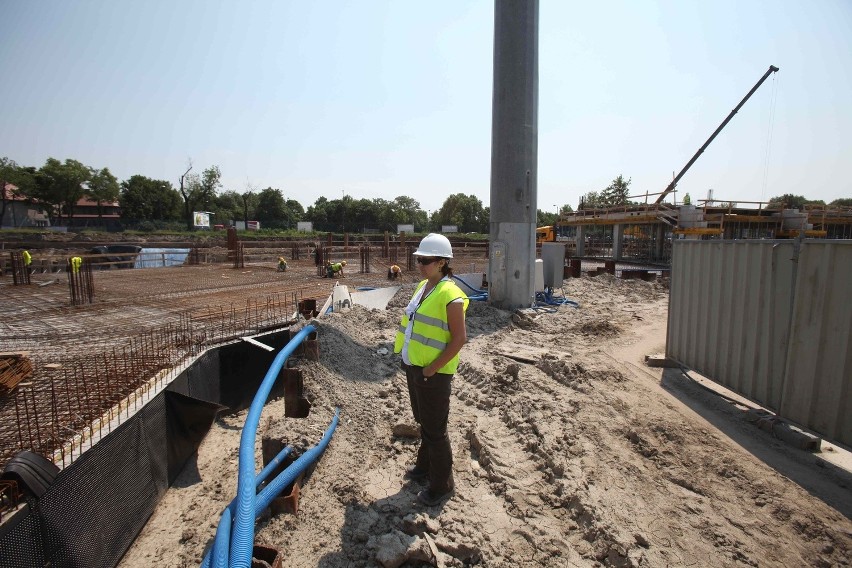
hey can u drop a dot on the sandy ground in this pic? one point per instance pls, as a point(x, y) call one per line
point(575, 455)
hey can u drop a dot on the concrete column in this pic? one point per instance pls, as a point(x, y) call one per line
point(514, 153)
point(659, 240)
point(581, 240)
point(617, 238)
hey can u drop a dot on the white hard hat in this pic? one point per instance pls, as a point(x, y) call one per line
point(434, 244)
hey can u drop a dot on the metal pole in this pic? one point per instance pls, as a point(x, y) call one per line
point(514, 153)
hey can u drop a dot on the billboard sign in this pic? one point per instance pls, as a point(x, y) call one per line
point(405, 228)
point(253, 226)
point(449, 228)
point(201, 219)
point(305, 226)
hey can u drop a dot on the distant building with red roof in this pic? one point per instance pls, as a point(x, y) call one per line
point(86, 214)
point(19, 212)
point(23, 212)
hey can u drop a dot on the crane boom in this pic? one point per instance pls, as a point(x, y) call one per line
point(673, 184)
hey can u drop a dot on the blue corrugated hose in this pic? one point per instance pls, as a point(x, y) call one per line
point(242, 538)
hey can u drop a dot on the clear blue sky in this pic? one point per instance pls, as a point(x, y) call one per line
point(388, 98)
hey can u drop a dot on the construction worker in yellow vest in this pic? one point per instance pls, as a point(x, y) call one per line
point(334, 269)
point(393, 272)
point(282, 264)
point(429, 338)
point(76, 262)
point(28, 260)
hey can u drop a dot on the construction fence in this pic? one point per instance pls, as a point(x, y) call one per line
point(770, 320)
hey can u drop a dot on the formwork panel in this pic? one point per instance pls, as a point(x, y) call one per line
point(725, 320)
point(769, 322)
point(817, 390)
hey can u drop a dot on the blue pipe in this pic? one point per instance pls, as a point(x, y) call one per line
point(223, 542)
point(276, 461)
point(286, 477)
point(242, 539)
point(219, 551)
point(478, 291)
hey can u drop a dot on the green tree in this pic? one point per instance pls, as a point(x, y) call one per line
point(318, 214)
point(271, 208)
point(20, 177)
point(60, 185)
point(103, 188)
point(407, 211)
point(198, 192)
point(464, 211)
point(249, 203)
point(591, 200)
point(294, 212)
point(842, 202)
point(617, 192)
point(788, 201)
point(145, 199)
point(362, 215)
point(227, 206)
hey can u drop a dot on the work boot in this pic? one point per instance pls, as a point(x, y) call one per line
point(430, 498)
point(414, 473)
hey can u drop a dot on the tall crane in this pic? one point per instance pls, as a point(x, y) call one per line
point(772, 69)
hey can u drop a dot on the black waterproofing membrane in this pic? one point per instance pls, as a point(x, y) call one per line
point(96, 507)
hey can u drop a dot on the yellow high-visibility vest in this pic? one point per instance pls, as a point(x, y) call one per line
point(28, 259)
point(430, 332)
point(76, 262)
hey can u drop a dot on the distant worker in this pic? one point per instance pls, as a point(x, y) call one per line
point(28, 260)
point(334, 269)
point(393, 272)
point(282, 264)
point(76, 262)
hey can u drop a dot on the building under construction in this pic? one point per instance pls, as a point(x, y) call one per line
point(643, 234)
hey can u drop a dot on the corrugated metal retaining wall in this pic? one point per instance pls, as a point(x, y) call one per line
point(770, 320)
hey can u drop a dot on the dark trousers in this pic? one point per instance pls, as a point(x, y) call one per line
point(430, 403)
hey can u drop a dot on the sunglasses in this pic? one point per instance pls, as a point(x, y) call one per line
point(424, 260)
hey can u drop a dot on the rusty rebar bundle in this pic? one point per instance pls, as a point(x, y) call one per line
point(20, 271)
point(364, 253)
point(240, 256)
point(14, 368)
point(80, 281)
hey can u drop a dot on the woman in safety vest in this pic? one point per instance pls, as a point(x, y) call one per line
point(430, 336)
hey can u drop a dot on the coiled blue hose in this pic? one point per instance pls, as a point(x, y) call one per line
point(547, 298)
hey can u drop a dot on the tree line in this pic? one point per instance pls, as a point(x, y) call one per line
point(151, 204)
